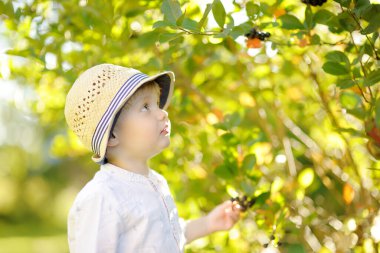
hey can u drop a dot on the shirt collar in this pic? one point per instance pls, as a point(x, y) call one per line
point(126, 174)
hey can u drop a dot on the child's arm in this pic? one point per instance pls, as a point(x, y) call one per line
point(222, 217)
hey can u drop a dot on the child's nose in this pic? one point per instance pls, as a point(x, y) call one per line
point(163, 114)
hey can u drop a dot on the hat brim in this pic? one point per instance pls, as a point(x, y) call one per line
point(166, 82)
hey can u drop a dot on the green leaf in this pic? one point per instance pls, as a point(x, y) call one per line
point(260, 200)
point(190, 24)
point(179, 21)
point(240, 30)
point(371, 15)
point(372, 78)
point(171, 10)
point(219, 13)
point(221, 125)
point(159, 24)
point(252, 10)
point(248, 162)
point(335, 68)
point(347, 22)
point(232, 120)
point(323, 16)
point(338, 56)
point(372, 27)
point(230, 139)
point(350, 100)
point(361, 6)
point(345, 83)
point(22, 53)
point(370, 12)
point(315, 39)
point(309, 21)
point(166, 37)
point(334, 25)
point(223, 172)
point(356, 72)
point(7, 9)
point(202, 22)
point(291, 22)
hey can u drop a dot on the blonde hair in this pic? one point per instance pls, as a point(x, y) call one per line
point(149, 86)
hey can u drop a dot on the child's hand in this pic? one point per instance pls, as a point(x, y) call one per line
point(222, 217)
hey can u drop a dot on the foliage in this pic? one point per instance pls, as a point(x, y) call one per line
point(293, 121)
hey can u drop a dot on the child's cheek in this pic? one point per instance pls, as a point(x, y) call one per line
point(145, 129)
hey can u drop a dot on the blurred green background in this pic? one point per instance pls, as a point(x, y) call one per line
point(292, 120)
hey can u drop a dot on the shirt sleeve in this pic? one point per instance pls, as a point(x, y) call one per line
point(183, 224)
point(94, 225)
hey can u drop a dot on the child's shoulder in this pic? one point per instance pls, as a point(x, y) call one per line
point(97, 188)
point(159, 176)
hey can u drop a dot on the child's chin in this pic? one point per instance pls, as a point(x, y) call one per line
point(161, 148)
point(166, 144)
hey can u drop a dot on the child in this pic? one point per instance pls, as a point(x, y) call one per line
point(119, 113)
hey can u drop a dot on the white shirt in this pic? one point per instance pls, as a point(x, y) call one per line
point(119, 211)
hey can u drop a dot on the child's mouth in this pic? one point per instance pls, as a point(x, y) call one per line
point(165, 131)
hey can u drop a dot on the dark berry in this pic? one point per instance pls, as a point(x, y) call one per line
point(243, 203)
point(314, 2)
point(251, 202)
point(254, 33)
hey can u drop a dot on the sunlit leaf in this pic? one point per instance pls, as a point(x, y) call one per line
point(306, 177)
point(171, 10)
point(291, 22)
point(249, 162)
point(372, 78)
point(335, 68)
point(219, 13)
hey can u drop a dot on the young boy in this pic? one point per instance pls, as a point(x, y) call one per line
point(119, 113)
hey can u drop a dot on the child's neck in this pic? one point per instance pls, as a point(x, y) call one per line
point(136, 166)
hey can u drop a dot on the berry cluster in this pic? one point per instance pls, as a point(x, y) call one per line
point(272, 242)
point(243, 203)
point(255, 34)
point(314, 2)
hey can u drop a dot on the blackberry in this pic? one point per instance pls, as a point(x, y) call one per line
point(314, 2)
point(243, 203)
point(254, 33)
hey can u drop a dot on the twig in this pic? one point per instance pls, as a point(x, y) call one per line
point(361, 29)
point(361, 91)
point(187, 31)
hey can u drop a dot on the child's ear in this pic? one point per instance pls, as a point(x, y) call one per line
point(112, 140)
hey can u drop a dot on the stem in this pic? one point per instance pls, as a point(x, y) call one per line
point(361, 91)
point(208, 33)
point(320, 43)
point(357, 51)
point(361, 29)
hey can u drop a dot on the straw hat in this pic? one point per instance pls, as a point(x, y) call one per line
point(99, 93)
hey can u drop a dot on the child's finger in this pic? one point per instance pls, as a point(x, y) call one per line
point(227, 206)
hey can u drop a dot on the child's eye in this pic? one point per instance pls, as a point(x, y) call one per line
point(146, 106)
